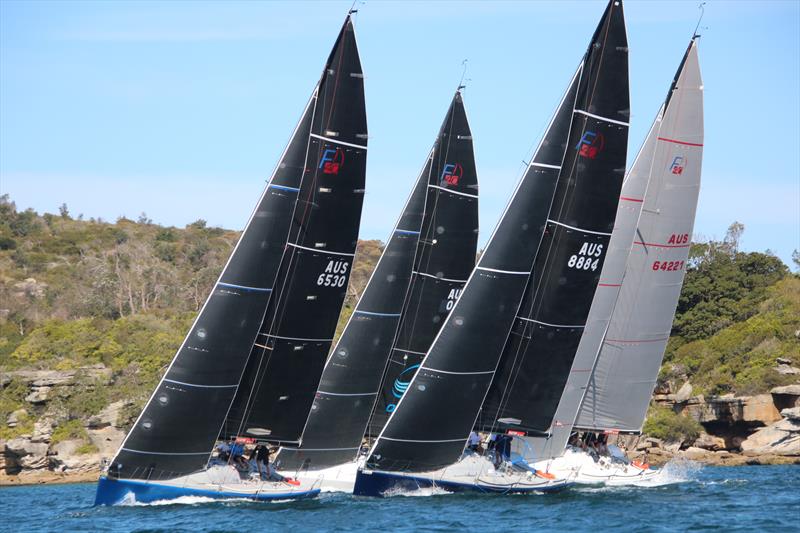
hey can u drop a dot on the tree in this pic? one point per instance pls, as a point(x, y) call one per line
point(63, 211)
point(732, 237)
point(796, 260)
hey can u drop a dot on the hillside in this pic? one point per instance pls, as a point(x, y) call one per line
point(91, 312)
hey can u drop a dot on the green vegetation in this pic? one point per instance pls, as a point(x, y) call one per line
point(76, 293)
point(663, 423)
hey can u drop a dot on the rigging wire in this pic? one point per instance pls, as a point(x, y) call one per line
point(702, 9)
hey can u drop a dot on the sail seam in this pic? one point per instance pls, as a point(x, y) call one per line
point(337, 141)
point(551, 325)
point(407, 231)
point(678, 142)
point(422, 440)
point(408, 351)
point(376, 314)
point(525, 273)
point(576, 229)
point(638, 200)
point(437, 277)
point(545, 165)
point(294, 338)
point(347, 394)
point(163, 453)
point(662, 245)
point(452, 191)
point(456, 373)
point(598, 117)
point(201, 386)
point(283, 188)
point(319, 250)
point(244, 287)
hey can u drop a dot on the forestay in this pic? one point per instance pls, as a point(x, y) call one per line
point(629, 361)
point(429, 427)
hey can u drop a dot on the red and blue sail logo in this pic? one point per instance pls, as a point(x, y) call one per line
point(677, 165)
point(451, 174)
point(590, 144)
point(331, 161)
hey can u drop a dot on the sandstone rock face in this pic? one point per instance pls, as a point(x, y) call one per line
point(760, 408)
point(709, 442)
point(109, 416)
point(780, 438)
point(26, 454)
point(684, 393)
point(787, 396)
point(107, 440)
point(64, 457)
point(791, 414)
point(787, 370)
point(14, 418)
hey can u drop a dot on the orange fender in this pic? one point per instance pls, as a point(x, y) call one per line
point(545, 475)
point(291, 481)
point(638, 464)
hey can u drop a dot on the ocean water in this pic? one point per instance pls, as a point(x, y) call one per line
point(688, 498)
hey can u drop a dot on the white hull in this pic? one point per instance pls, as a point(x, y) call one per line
point(581, 468)
point(340, 478)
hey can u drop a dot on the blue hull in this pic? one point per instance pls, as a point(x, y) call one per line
point(113, 492)
point(378, 483)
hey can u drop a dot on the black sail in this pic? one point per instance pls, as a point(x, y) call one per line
point(434, 242)
point(445, 257)
point(287, 359)
point(538, 357)
point(176, 431)
point(429, 428)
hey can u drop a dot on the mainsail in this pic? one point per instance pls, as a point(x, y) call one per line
point(563, 209)
point(177, 428)
point(287, 358)
point(627, 366)
point(434, 240)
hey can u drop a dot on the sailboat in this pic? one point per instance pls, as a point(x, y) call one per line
point(417, 280)
point(283, 283)
point(501, 359)
point(626, 368)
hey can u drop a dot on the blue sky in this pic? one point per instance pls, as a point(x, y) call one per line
point(181, 109)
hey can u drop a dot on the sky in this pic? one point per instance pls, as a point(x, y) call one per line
point(181, 109)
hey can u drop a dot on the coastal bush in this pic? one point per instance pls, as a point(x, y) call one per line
point(663, 423)
point(69, 430)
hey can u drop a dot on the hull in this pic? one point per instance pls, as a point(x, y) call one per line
point(471, 474)
point(127, 491)
point(340, 478)
point(584, 470)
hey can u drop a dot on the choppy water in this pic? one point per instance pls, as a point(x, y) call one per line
point(749, 498)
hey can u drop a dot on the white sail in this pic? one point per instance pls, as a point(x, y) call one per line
point(627, 366)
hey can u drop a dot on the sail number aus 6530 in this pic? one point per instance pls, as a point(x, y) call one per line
point(334, 275)
point(588, 258)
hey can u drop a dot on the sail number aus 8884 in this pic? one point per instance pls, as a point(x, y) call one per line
point(669, 266)
point(588, 258)
point(334, 275)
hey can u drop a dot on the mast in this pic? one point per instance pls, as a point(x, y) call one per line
point(436, 233)
point(630, 357)
point(288, 356)
point(577, 169)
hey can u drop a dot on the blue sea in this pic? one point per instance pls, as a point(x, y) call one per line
point(748, 498)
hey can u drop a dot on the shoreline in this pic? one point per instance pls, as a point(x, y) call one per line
point(724, 460)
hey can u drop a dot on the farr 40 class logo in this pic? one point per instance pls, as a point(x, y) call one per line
point(451, 174)
point(331, 161)
point(591, 144)
point(677, 165)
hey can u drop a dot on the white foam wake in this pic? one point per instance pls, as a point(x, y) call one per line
point(421, 492)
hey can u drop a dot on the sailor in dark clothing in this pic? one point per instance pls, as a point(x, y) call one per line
point(260, 455)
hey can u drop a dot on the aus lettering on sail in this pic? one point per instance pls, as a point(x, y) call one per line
point(587, 258)
point(452, 298)
point(335, 274)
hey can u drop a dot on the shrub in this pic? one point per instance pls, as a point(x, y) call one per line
point(665, 424)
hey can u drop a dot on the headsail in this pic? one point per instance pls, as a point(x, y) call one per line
point(287, 358)
point(438, 227)
point(627, 367)
point(429, 428)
